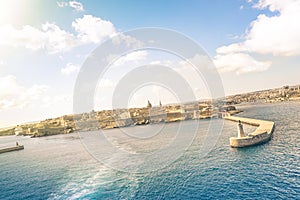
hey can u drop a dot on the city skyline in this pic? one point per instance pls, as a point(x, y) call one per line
point(44, 44)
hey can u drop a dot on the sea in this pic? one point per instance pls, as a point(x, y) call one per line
point(65, 166)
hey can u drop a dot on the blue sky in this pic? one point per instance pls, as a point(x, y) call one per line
point(43, 44)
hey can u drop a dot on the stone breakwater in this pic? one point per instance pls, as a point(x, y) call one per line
point(262, 134)
point(9, 149)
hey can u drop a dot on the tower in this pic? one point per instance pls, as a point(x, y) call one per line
point(149, 105)
point(240, 130)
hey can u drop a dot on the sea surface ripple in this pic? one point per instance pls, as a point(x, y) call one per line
point(59, 167)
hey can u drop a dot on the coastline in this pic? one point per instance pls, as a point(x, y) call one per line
point(66, 124)
point(110, 119)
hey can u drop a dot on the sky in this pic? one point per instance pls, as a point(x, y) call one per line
point(253, 45)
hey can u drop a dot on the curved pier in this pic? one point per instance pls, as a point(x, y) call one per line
point(262, 134)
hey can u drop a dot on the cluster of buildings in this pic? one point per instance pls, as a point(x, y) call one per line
point(108, 119)
point(286, 93)
point(64, 124)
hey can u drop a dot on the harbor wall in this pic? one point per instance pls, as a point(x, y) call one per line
point(9, 149)
point(263, 132)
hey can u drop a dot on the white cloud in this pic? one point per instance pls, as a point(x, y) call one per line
point(93, 29)
point(53, 39)
point(232, 48)
point(128, 41)
point(50, 37)
point(273, 5)
point(76, 5)
point(27, 37)
point(240, 63)
point(57, 39)
point(16, 97)
point(19, 103)
point(70, 69)
point(12, 94)
point(62, 4)
point(73, 4)
point(135, 57)
point(275, 35)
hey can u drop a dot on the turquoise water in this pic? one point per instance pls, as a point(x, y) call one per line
point(59, 167)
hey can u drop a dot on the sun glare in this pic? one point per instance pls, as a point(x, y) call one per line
point(12, 11)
